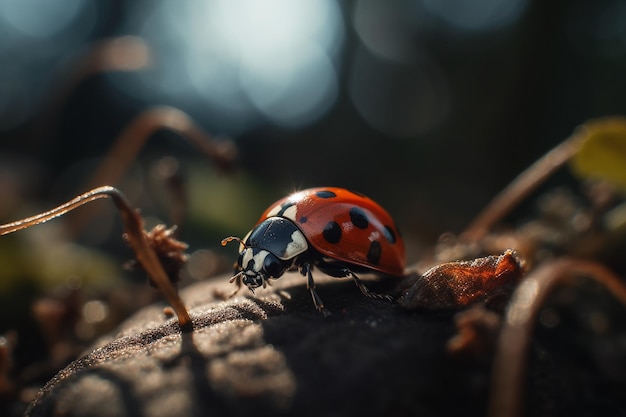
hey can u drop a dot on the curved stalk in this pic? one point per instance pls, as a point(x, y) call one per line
point(134, 234)
point(520, 188)
point(509, 368)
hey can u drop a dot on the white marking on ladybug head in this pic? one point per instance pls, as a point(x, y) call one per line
point(290, 213)
point(246, 257)
point(286, 210)
point(252, 263)
point(273, 212)
point(257, 259)
point(296, 246)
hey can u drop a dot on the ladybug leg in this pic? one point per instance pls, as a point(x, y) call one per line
point(305, 270)
point(366, 290)
point(340, 271)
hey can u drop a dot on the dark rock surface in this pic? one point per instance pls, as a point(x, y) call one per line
point(273, 355)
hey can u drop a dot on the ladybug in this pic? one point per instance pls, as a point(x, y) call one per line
point(338, 231)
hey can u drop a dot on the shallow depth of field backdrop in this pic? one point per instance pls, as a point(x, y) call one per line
point(429, 107)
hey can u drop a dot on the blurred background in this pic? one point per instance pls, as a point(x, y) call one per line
point(429, 107)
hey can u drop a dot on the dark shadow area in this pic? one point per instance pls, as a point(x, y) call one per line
point(205, 400)
point(124, 397)
point(371, 358)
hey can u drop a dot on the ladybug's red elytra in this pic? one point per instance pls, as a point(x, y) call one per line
point(338, 231)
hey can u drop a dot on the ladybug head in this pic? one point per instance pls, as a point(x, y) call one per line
point(257, 265)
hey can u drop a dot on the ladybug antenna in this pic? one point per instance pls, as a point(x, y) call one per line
point(229, 239)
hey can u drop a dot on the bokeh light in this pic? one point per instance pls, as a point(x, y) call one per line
point(387, 29)
point(401, 99)
point(33, 33)
point(39, 18)
point(250, 61)
point(477, 15)
point(394, 84)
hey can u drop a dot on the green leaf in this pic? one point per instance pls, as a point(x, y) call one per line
point(602, 152)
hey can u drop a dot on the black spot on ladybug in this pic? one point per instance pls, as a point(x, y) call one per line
point(325, 194)
point(304, 219)
point(283, 208)
point(332, 232)
point(389, 234)
point(359, 218)
point(374, 252)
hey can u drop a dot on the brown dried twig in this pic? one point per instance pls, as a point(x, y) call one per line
point(509, 368)
point(145, 252)
point(521, 187)
point(135, 135)
point(138, 131)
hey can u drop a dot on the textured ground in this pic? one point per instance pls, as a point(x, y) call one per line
point(275, 355)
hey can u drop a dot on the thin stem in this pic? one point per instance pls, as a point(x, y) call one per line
point(97, 193)
point(509, 368)
point(521, 187)
point(133, 226)
point(135, 135)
